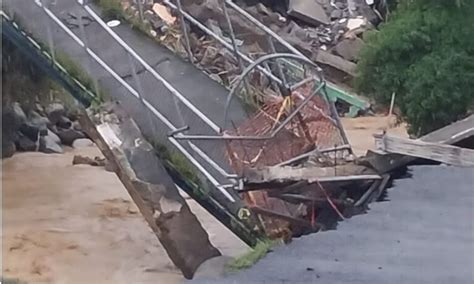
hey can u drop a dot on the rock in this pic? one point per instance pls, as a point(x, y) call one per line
point(336, 14)
point(55, 111)
point(64, 122)
point(8, 148)
point(12, 118)
point(31, 131)
point(24, 143)
point(356, 23)
point(53, 136)
point(349, 48)
point(47, 144)
point(76, 126)
point(83, 160)
point(39, 121)
point(82, 143)
point(262, 9)
point(68, 136)
point(310, 12)
point(19, 113)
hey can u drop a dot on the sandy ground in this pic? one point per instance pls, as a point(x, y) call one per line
point(77, 224)
point(360, 131)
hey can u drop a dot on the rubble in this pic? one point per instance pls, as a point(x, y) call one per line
point(349, 48)
point(309, 11)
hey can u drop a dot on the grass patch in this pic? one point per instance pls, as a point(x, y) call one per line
point(181, 164)
point(111, 9)
point(252, 256)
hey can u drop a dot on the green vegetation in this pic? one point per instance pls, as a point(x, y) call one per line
point(111, 9)
point(180, 164)
point(252, 256)
point(425, 55)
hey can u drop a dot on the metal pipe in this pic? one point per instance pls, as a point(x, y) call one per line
point(254, 65)
point(147, 104)
point(211, 161)
point(185, 32)
point(155, 74)
point(272, 135)
point(234, 44)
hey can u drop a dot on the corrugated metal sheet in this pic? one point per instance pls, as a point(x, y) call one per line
point(424, 233)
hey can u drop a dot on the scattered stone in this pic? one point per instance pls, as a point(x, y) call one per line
point(47, 144)
point(55, 111)
point(82, 143)
point(35, 119)
point(31, 131)
point(68, 136)
point(83, 160)
point(336, 14)
point(308, 11)
point(349, 48)
point(353, 24)
point(262, 9)
point(18, 112)
point(64, 122)
point(53, 136)
point(24, 143)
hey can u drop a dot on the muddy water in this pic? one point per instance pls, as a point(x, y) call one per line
point(77, 224)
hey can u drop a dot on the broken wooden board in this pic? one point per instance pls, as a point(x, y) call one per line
point(152, 189)
point(447, 154)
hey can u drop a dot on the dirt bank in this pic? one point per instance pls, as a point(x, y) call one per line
point(77, 224)
point(360, 131)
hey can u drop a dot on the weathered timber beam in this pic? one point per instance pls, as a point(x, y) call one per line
point(447, 154)
point(290, 219)
point(316, 200)
point(152, 189)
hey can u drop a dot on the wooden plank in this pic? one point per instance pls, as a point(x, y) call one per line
point(270, 213)
point(447, 154)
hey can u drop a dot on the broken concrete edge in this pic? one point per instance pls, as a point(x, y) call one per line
point(166, 212)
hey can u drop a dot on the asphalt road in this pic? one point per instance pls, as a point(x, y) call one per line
point(424, 234)
point(204, 93)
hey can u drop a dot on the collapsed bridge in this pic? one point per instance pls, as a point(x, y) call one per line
point(272, 162)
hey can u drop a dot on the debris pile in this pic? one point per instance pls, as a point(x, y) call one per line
point(329, 32)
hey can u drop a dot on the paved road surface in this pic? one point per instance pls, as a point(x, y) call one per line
point(206, 94)
point(423, 234)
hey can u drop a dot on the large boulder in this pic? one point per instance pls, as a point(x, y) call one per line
point(35, 125)
point(55, 111)
point(48, 144)
point(68, 136)
point(8, 148)
point(24, 143)
point(12, 118)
